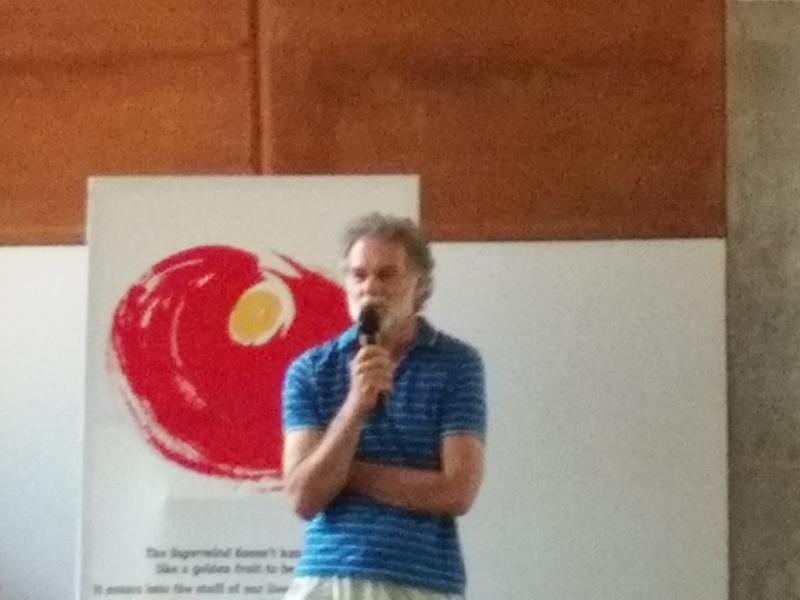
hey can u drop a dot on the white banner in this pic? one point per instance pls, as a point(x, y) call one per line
point(201, 290)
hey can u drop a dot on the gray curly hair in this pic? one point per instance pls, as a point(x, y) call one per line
point(400, 230)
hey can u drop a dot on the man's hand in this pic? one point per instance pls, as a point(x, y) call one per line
point(316, 463)
point(371, 372)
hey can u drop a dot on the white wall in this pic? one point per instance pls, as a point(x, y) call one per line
point(607, 444)
point(42, 339)
point(607, 462)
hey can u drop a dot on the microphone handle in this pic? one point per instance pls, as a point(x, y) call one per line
point(380, 404)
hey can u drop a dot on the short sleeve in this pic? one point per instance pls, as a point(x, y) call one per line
point(299, 403)
point(464, 407)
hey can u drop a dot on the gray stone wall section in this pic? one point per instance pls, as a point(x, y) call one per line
point(764, 298)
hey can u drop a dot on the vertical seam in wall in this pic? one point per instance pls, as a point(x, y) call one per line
point(725, 6)
point(255, 99)
point(726, 180)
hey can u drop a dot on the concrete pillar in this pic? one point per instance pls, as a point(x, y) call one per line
point(764, 299)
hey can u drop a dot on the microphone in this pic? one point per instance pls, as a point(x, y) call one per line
point(369, 324)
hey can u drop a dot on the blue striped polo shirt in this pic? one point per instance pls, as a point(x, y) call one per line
point(438, 391)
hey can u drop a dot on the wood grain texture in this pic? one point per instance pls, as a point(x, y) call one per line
point(65, 30)
point(57, 127)
point(116, 87)
point(526, 121)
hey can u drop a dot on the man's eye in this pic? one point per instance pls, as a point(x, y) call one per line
point(387, 276)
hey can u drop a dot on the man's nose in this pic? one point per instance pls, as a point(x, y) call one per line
point(372, 285)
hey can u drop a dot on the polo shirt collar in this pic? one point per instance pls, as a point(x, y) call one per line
point(426, 335)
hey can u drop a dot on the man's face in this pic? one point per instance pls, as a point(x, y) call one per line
point(378, 273)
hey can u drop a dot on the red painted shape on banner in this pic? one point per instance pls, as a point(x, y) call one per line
point(203, 340)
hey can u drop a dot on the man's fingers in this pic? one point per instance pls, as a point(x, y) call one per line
point(373, 369)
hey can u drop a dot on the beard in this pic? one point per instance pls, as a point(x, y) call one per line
point(391, 314)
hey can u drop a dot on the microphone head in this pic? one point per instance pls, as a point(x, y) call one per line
point(369, 321)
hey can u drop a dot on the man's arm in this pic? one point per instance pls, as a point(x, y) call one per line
point(451, 489)
point(316, 463)
point(448, 491)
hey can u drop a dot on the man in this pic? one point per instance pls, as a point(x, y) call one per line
point(384, 442)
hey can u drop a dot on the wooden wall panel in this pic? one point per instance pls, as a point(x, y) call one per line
point(534, 120)
point(167, 116)
point(63, 30)
point(526, 120)
point(138, 90)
